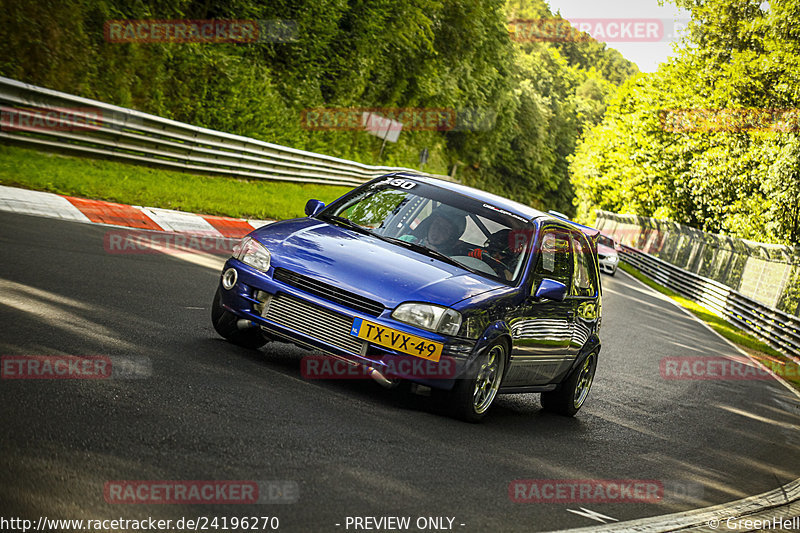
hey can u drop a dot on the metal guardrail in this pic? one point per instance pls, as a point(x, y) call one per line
point(767, 273)
point(780, 330)
point(91, 128)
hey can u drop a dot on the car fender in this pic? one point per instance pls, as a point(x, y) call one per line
point(592, 345)
point(495, 331)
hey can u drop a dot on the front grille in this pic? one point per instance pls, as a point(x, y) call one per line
point(316, 322)
point(328, 292)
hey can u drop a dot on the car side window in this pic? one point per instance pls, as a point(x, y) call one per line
point(582, 282)
point(555, 258)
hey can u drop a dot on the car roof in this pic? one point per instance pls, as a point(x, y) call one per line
point(522, 210)
point(587, 230)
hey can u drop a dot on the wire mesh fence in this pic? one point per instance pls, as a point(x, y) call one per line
point(766, 273)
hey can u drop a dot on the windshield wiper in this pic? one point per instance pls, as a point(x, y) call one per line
point(426, 251)
point(346, 222)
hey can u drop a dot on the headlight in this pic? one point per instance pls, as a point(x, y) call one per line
point(613, 258)
point(431, 317)
point(253, 253)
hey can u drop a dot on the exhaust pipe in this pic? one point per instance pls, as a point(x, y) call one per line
point(380, 378)
point(243, 323)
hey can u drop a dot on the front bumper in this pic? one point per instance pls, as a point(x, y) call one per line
point(289, 313)
point(607, 265)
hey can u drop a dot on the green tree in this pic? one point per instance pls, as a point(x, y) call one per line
point(521, 106)
point(738, 56)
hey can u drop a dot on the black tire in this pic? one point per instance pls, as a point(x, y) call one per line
point(225, 324)
point(473, 394)
point(570, 397)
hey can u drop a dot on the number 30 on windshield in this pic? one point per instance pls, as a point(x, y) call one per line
point(403, 184)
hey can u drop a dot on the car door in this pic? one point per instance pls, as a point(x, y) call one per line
point(541, 330)
point(584, 292)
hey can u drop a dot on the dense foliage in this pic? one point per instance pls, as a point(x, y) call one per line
point(527, 102)
point(740, 176)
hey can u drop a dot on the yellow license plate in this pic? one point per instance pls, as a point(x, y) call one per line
point(396, 340)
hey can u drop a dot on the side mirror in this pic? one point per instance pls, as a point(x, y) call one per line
point(313, 207)
point(551, 289)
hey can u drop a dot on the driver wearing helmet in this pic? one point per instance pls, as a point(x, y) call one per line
point(497, 253)
point(444, 227)
point(443, 233)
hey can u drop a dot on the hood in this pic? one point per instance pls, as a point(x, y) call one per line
point(363, 264)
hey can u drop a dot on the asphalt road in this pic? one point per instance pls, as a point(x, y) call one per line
point(212, 411)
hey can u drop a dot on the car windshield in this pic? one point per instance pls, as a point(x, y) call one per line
point(473, 235)
point(605, 241)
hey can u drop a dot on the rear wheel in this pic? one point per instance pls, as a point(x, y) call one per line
point(473, 395)
point(226, 324)
point(573, 392)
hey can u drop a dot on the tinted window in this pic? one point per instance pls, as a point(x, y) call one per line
point(606, 241)
point(582, 281)
point(555, 258)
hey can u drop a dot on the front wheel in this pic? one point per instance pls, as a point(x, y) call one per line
point(226, 324)
point(568, 399)
point(473, 395)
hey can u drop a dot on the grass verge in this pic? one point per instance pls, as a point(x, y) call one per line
point(138, 185)
point(756, 348)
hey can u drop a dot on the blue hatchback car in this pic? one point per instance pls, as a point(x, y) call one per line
point(492, 296)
